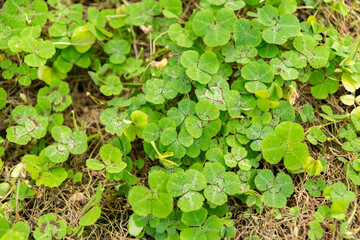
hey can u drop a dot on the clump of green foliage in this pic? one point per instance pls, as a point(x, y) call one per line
point(214, 117)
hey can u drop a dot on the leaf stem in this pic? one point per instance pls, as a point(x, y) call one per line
point(74, 120)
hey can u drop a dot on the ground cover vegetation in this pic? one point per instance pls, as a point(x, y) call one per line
point(170, 119)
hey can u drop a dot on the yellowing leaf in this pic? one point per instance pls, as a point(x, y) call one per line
point(356, 111)
point(312, 166)
point(82, 38)
point(347, 99)
point(349, 83)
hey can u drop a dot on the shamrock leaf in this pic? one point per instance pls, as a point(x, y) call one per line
point(258, 73)
point(49, 227)
point(244, 36)
point(321, 86)
point(214, 92)
point(184, 37)
point(280, 68)
point(187, 185)
point(27, 74)
point(19, 231)
point(172, 8)
point(67, 142)
point(64, 11)
point(215, 30)
point(237, 157)
point(185, 108)
point(237, 103)
point(112, 86)
point(33, 14)
point(44, 171)
point(29, 125)
point(205, 120)
point(56, 96)
point(220, 183)
point(112, 160)
point(9, 68)
point(117, 49)
point(142, 13)
point(315, 134)
point(39, 50)
point(158, 90)
point(209, 230)
point(317, 56)
point(286, 143)
point(241, 54)
point(230, 4)
point(276, 190)
point(155, 202)
point(199, 68)
point(194, 218)
point(315, 188)
point(176, 143)
point(114, 121)
point(277, 30)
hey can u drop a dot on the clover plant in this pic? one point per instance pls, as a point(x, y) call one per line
point(197, 100)
point(111, 157)
point(29, 125)
point(315, 188)
point(67, 142)
point(55, 97)
point(286, 143)
point(49, 227)
point(276, 189)
point(187, 185)
point(220, 183)
point(156, 201)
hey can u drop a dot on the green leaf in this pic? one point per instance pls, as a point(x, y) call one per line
point(50, 227)
point(142, 13)
point(94, 164)
point(256, 71)
point(194, 218)
point(114, 121)
point(194, 126)
point(112, 86)
point(158, 90)
point(172, 8)
point(278, 30)
point(144, 202)
point(245, 36)
point(168, 136)
point(215, 30)
point(68, 142)
point(56, 96)
point(3, 97)
point(82, 38)
point(65, 12)
point(286, 143)
point(19, 231)
point(183, 36)
point(207, 111)
point(90, 216)
point(29, 125)
point(117, 49)
point(53, 177)
point(315, 189)
point(276, 190)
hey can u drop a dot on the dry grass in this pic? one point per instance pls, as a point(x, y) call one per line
point(67, 200)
